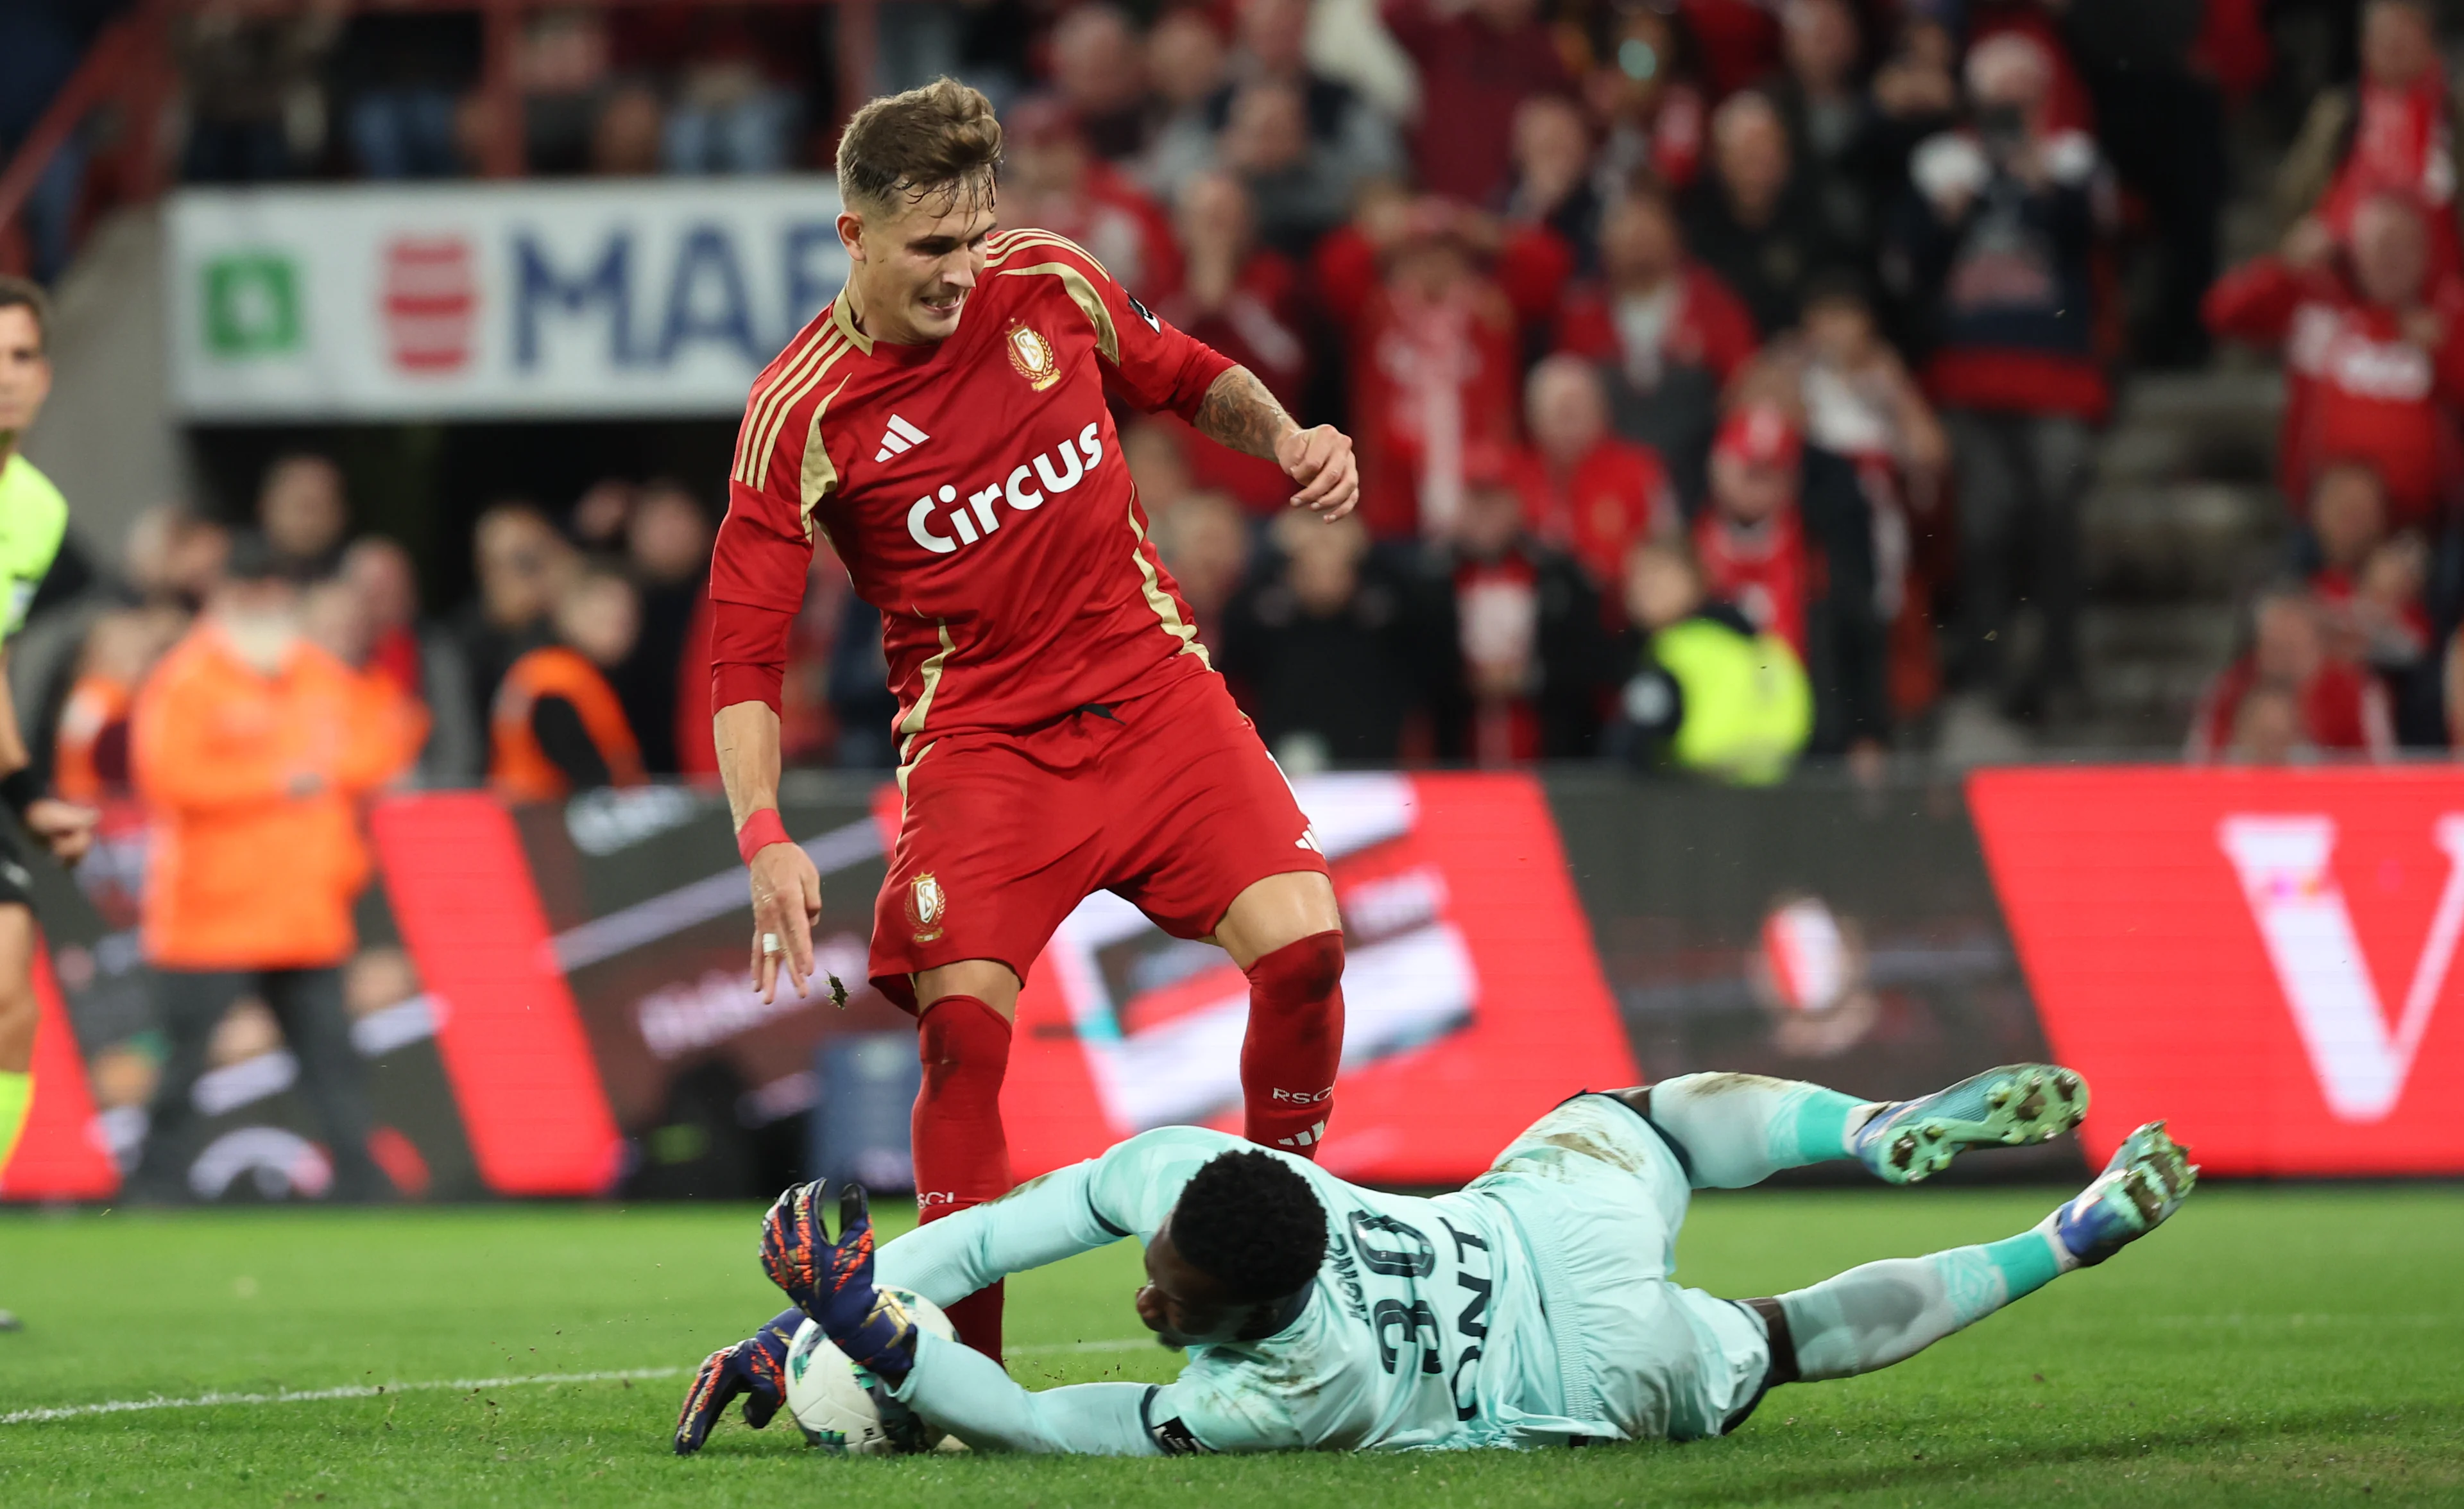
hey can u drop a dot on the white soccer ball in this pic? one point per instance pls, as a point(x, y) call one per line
point(834, 1401)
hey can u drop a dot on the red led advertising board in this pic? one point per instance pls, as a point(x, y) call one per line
point(2266, 958)
point(1473, 998)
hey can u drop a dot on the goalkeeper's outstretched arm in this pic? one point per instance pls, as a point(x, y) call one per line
point(967, 1394)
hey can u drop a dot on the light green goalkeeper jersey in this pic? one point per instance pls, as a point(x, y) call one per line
point(1425, 1328)
point(34, 518)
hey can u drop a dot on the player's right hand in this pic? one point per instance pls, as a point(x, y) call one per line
point(833, 1282)
point(65, 828)
point(786, 903)
point(754, 1367)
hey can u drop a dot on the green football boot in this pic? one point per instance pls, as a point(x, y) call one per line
point(1907, 1142)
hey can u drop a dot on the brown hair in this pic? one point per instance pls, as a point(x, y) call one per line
point(937, 140)
point(18, 292)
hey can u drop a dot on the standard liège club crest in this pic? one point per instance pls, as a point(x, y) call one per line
point(1032, 355)
point(927, 904)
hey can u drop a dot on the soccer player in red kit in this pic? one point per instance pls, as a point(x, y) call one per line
point(1060, 732)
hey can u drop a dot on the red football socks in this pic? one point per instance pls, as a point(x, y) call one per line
point(961, 1153)
point(1294, 1044)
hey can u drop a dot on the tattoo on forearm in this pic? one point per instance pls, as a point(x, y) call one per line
point(1239, 412)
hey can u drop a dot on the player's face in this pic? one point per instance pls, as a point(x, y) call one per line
point(914, 270)
point(1183, 1305)
point(25, 372)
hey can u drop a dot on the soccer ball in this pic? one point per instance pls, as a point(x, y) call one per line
point(841, 1408)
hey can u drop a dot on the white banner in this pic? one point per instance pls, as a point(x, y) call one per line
point(649, 296)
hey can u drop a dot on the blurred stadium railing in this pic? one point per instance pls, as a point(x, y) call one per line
point(554, 1000)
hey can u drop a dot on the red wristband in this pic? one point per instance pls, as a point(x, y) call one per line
point(759, 832)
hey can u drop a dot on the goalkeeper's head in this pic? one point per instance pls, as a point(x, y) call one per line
point(1237, 1257)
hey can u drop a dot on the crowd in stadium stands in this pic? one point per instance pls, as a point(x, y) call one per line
point(1727, 375)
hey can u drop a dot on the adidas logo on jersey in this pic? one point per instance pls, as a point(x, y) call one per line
point(898, 439)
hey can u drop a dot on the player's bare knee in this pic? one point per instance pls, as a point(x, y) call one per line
point(988, 981)
point(1277, 912)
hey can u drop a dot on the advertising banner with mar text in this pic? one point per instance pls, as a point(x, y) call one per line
point(492, 300)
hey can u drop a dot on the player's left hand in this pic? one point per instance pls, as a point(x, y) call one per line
point(755, 1368)
point(65, 828)
point(1322, 462)
point(833, 1282)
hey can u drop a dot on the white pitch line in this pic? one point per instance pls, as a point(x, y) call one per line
point(441, 1384)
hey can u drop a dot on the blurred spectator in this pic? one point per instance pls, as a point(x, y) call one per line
point(1915, 95)
point(302, 509)
point(2371, 590)
point(420, 658)
point(1738, 41)
point(2373, 353)
point(41, 42)
point(1756, 217)
point(730, 114)
point(1334, 650)
point(1668, 331)
point(1204, 543)
point(1642, 95)
point(2160, 119)
point(1862, 405)
point(1099, 70)
point(561, 68)
point(1584, 490)
point(1159, 463)
point(2287, 698)
point(557, 726)
point(90, 752)
point(1787, 537)
point(1298, 190)
point(256, 109)
point(173, 557)
point(1346, 132)
point(668, 542)
point(402, 77)
point(1185, 70)
point(1529, 630)
point(1709, 694)
point(1553, 187)
point(1829, 122)
point(1434, 372)
point(600, 515)
point(522, 565)
point(1056, 182)
point(1245, 301)
point(2394, 132)
point(1478, 63)
point(626, 136)
point(2001, 226)
point(252, 742)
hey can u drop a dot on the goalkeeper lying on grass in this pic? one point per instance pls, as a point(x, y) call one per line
point(1531, 1308)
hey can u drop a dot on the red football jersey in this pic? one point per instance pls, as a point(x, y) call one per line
point(976, 491)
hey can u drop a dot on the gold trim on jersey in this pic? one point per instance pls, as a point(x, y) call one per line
point(1000, 247)
point(1083, 293)
point(1165, 609)
point(820, 473)
point(768, 413)
point(912, 724)
point(846, 324)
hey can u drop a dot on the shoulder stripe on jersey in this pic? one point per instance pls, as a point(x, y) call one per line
point(912, 724)
point(1024, 238)
point(820, 473)
point(806, 378)
point(1082, 293)
point(1027, 238)
point(752, 459)
point(770, 413)
point(1165, 609)
point(757, 409)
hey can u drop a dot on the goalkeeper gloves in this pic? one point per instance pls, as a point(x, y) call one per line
point(833, 1282)
point(754, 1367)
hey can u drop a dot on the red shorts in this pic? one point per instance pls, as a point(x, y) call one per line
point(1168, 800)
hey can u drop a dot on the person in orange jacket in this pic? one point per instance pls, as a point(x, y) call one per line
point(557, 726)
point(252, 748)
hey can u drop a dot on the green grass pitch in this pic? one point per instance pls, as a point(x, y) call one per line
point(2271, 1345)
